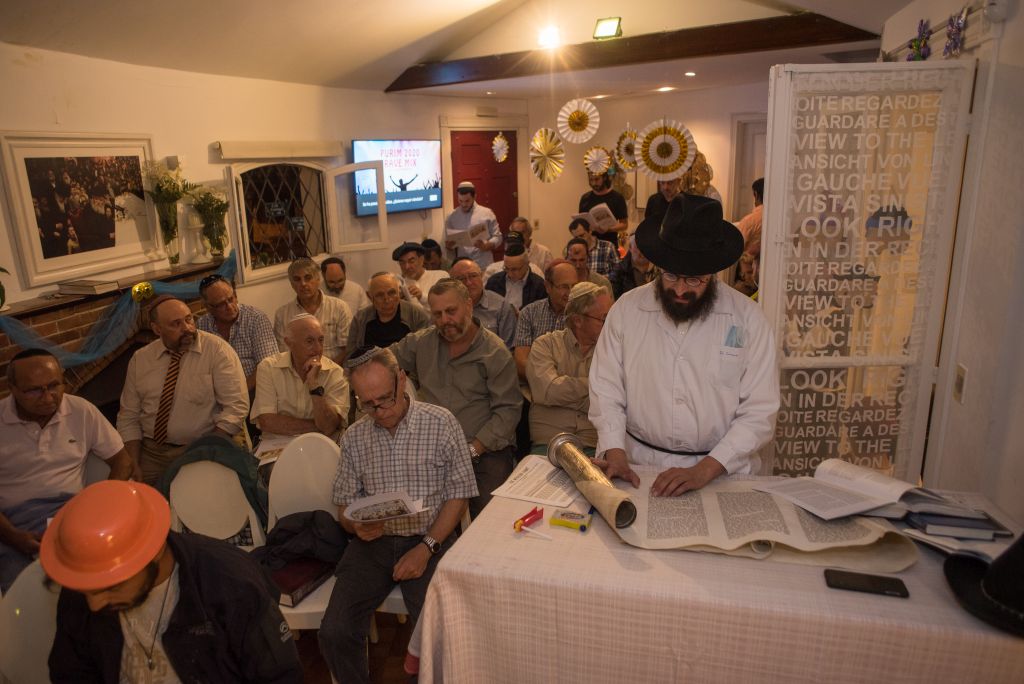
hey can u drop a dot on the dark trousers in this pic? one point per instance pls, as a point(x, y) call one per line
point(363, 582)
point(491, 471)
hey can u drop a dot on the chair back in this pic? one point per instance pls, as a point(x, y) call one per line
point(96, 470)
point(28, 622)
point(303, 477)
point(207, 498)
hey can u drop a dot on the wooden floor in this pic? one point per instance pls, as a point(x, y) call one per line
point(387, 656)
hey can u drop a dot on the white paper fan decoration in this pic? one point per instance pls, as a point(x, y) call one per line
point(578, 120)
point(666, 149)
point(499, 147)
point(597, 159)
point(625, 149)
point(547, 155)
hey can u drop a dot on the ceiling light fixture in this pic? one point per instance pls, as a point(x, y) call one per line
point(609, 27)
point(665, 89)
point(598, 97)
point(548, 37)
point(690, 74)
point(490, 92)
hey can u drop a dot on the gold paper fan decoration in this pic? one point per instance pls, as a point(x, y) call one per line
point(697, 178)
point(597, 159)
point(578, 120)
point(625, 149)
point(547, 155)
point(499, 147)
point(666, 149)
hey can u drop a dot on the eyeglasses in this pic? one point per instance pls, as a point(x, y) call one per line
point(386, 294)
point(383, 405)
point(691, 281)
point(38, 392)
point(601, 319)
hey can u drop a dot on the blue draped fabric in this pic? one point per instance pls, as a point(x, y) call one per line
point(116, 324)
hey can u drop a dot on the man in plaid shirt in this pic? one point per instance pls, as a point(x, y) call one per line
point(399, 443)
point(602, 256)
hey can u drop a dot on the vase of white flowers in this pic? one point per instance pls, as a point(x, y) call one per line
point(166, 188)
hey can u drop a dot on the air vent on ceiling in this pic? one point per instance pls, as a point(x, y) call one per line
point(490, 112)
point(851, 56)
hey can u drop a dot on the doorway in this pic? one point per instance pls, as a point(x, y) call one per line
point(750, 135)
point(497, 185)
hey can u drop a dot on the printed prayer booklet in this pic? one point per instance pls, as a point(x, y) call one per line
point(384, 506)
point(599, 218)
point(839, 489)
point(467, 238)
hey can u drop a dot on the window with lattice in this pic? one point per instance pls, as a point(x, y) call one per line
point(284, 213)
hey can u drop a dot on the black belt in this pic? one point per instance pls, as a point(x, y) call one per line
point(667, 451)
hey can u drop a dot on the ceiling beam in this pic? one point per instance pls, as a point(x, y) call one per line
point(793, 31)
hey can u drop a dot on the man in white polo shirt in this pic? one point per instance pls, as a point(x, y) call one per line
point(45, 439)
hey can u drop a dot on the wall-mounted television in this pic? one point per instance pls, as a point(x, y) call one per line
point(412, 175)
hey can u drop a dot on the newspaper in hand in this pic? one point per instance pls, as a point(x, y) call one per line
point(384, 506)
point(468, 238)
point(599, 218)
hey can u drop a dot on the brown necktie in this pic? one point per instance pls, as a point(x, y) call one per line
point(163, 413)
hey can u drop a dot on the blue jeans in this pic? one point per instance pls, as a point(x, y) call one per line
point(30, 516)
point(363, 582)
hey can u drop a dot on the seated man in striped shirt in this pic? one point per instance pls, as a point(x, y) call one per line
point(399, 444)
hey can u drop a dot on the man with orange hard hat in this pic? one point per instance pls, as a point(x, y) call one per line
point(142, 603)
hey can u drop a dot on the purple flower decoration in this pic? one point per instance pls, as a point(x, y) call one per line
point(919, 50)
point(955, 34)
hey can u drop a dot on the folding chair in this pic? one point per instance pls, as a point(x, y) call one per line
point(28, 622)
point(207, 498)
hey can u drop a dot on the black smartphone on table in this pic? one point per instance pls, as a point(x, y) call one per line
point(872, 584)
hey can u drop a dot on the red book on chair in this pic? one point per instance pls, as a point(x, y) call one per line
point(300, 578)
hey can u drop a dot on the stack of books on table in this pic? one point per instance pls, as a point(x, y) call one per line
point(980, 525)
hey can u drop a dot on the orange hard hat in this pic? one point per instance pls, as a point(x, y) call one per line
point(105, 534)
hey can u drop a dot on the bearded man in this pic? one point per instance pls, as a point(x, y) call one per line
point(685, 375)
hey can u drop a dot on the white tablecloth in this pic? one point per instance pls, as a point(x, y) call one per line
point(514, 608)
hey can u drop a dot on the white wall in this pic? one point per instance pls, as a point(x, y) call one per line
point(185, 112)
point(706, 113)
point(979, 444)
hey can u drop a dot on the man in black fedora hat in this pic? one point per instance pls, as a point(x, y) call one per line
point(685, 374)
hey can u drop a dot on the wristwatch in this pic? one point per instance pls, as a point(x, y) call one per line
point(317, 391)
point(474, 455)
point(431, 544)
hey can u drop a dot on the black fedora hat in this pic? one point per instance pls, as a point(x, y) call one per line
point(406, 247)
point(690, 238)
point(994, 593)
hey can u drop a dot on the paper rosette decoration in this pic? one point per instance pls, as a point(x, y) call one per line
point(625, 149)
point(578, 120)
point(499, 147)
point(547, 155)
point(597, 159)
point(666, 149)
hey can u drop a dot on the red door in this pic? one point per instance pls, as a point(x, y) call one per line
point(496, 184)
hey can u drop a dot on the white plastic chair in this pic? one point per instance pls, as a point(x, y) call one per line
point(207, 498)
point(96, 470)
point(28, 622)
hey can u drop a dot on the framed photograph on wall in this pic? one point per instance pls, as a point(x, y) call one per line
point(76, 204)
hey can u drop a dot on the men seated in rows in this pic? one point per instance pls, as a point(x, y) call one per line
point(711, 404)
point(633, 271)
point(186, 384)
point(578, 254)
point(469, 371)
point(433, 259)
point(469, 216)
point(141, 603)
point(337, 284)
point(300, 390)
point(45, 438)
point(517, 282)
point(247, 329)
point(513, 243)
point(559, 366)
point(399, 444)
point(489, 308)
point(389, 319)
point(333, 314)
point(544, 315)
point(602, 256)
point(418, 280)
